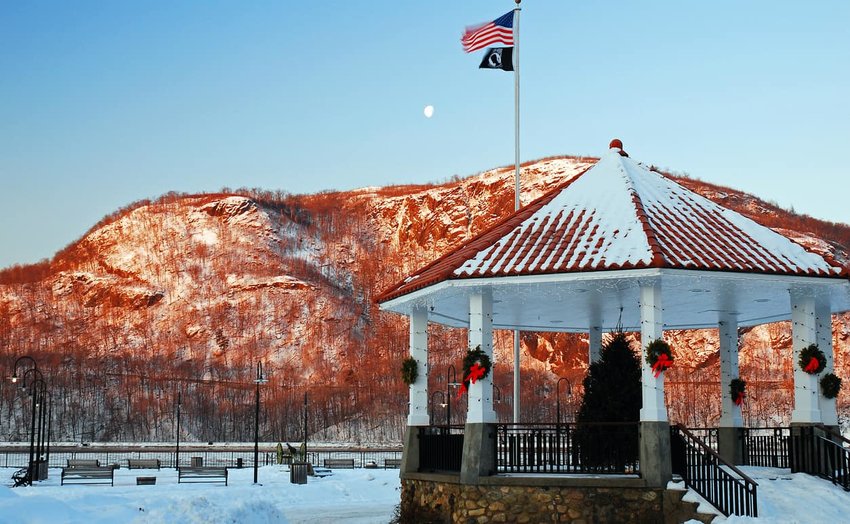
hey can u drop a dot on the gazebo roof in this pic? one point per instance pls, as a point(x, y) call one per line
point(615, 219)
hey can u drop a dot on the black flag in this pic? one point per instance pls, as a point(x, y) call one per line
point(498, 58)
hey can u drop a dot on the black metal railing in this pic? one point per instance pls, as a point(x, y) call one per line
point(440, 448)
point(820, 451)
point(723, 485)
point(708, 436)
point(600, 448)
point(765, 447)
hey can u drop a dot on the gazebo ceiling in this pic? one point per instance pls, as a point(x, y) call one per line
point(576, 256)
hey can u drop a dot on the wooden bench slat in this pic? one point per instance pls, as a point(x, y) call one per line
point(339, 463)
point(88, 475)
point(201, 474)
point(143, 464)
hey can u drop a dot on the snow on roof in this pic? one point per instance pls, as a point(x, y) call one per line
point(619, 214)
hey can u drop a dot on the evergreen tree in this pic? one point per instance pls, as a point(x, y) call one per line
point(612, 393)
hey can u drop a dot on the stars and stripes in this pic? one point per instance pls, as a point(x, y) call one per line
point(499, 31)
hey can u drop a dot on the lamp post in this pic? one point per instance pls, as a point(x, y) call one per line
point(451, 380)
point(261, 379)
point(443, 403)
point(177, 448)
point(14, 377)
point(558, 398)
point(34, 395)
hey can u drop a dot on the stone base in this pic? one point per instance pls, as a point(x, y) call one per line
point(435, 501)
point(479, 452)
point(410, 455)
point(656, 466)
point(729, 445)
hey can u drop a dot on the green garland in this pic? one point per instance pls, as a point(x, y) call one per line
point(654, 350)
point(807, 354)
point(409, 370)
point(738, 390)
point(830, 385)
point(474, 356)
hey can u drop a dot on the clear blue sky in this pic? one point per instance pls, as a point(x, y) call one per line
point(104, 103)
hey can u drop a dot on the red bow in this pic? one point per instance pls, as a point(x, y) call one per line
point(475, 372)
point(740, 398)
point(663, 363)
point(812, 366)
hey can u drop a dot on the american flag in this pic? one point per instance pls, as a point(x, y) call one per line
point(500, 30)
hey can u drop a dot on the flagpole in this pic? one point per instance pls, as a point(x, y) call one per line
point(517, 9)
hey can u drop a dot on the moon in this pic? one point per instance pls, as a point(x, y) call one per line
point(428, 111)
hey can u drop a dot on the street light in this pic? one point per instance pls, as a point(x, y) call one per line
point(451, 380)
point(14, 377)
point(34, 394)
point(443, 403)
point(261, 379)
point(558, 397)
point(177, 449)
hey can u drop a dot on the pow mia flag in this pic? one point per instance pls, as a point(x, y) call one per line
point(498, 58)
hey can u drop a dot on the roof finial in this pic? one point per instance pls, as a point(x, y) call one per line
point(617, 144)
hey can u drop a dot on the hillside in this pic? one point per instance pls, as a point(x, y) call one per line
point(186, 293)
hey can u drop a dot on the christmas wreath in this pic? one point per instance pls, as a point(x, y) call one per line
point(812, 360)
point(659, 356)
point(830, 385)
point(409, 370)
point(738, 390)
point(476, 366)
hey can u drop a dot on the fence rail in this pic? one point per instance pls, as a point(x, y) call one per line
point(819, 451)
point(440, 448)
point(722, 484)
point(600, 448)
point(765, 447)
point(18, 457)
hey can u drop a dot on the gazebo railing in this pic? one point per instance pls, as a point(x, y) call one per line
point(765, 447)
point(723, 485)
point(707, 435)
point(817, 450)
point(440, 448)
point(598, 448)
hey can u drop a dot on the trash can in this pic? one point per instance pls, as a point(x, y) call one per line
point(239, 462)
point(298, 473)
point(197, 462)
point(145, 481)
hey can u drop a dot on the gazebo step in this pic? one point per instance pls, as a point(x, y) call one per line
point(677, 510)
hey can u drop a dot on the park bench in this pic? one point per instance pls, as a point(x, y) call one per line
point(392, 463)
point(83, 463)
point(143, 463)
point(201, 474)
point(339, 463)
point(88, 475)
point(20, 477)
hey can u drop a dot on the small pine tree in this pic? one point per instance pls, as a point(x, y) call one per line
point(612, 393)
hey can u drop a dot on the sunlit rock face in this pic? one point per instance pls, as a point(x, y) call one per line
point(191, 291)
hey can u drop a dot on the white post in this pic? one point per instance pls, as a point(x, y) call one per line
point(417, 414)
point(480, 406)
point(730, 414)
point(804, 333)
point(823, 328)
point(651, 328)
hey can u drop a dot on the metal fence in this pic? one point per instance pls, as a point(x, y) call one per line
point(765, 447)
point(440, 448)
point(18, 457)
point(599, 448)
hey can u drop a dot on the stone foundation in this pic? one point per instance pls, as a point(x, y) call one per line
point(447, 501)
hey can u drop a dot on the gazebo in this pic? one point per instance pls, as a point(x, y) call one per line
point(620, 243)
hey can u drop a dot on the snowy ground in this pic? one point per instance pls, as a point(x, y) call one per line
point(360, 496)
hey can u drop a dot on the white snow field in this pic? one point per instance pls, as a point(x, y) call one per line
point(360, 496)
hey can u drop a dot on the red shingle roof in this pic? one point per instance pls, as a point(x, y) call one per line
point(620, 215)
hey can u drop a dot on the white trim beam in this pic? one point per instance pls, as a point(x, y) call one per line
point(804, 333)
point(480, 405)
point(417, 413)
point(651, 328)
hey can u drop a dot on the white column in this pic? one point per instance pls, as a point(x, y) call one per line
point(804, 333)
point(730, 414)
point(417, 414)
point(823, 329)
point(480, 406)
point(651, 328)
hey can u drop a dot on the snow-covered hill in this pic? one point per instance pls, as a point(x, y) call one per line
point(188, 292)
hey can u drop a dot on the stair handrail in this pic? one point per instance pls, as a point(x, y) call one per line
point(749, 507)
